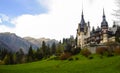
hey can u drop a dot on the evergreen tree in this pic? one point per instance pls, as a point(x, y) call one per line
point(15, 58)
point(11, 60)
point(3, 53)
point(20, 57)
point(48, 51)
point(53, 48)
point(8, 59)
point(117, 35)
point(59, 49)
point(39, 54)
point(68, 47)
point(30, 54)
point(44, 49)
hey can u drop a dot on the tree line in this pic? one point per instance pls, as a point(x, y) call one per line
point(44, 52)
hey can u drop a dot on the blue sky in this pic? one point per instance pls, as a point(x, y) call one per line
point(14, 8)
point(53, 19)
point(18, 7)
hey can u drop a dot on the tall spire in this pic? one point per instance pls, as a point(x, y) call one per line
point(82, 8)
point(103, 13)
point(82, 19)
point(104, 22)
point(82, 22)
point(82, 15)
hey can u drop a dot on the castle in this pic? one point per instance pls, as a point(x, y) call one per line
point(96, 36)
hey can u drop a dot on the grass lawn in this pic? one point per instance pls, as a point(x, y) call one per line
point(83, 65)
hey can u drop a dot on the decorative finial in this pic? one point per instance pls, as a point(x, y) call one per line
point(103, 13)
point(82, 7)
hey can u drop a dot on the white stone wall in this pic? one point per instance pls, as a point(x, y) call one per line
point(105, 38)
point(112, 39)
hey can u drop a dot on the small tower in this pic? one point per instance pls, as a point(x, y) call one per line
point(81, 32)
point(104, 27)
point(88, 31)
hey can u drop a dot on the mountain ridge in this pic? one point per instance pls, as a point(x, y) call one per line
point(13, 42)
point(38, 41)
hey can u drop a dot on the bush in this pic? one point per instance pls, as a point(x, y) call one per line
point(90, 57)
point(1, 62)
point(104, 51)
point(85, 52)
point(117, 50)
point(76, 50)
point(53, 58)
point(101, 57)
point(70, 59)
point(76, 58)
point(101, 50)
point(65, 55)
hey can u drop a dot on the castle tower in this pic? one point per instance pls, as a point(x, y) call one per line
point(88, 31)
point(104, 27)
point(81, 32)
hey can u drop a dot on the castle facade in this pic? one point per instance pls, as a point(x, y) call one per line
point(100, 35)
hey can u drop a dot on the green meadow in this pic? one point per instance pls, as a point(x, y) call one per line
point(81, 65)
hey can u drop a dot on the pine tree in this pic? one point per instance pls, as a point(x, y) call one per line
point(20, 57)
point(53, 48)
point(117, 35)
point(30, 54)
point(48, 51)
point(39, 54)
point(8, 59)
point(59, 49)
point(44, 49)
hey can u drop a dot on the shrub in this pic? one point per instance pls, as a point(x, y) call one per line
point(101, 56)
point(104, 51)
point(76, 50)
point(1, 62)
point(100, 50)
point(53, 58)
point(85, 52)
point(65, 55)
point(70, 59)
point(90, 57)
point(117, 50)
point(76, 58)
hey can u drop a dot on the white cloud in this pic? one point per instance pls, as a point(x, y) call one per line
point(45, 3)
point(62, 18)
point(0, 20)
point(4, 17)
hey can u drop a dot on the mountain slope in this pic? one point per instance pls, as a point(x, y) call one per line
point(14, 42)
point(39, 41)
point(4, 46)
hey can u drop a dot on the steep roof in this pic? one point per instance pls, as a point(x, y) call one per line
point(104, 22)
point(82, 22)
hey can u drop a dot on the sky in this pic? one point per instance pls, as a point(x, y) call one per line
point(54, 19)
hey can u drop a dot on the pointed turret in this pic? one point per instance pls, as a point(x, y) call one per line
point(82, 22)
point(104, 23)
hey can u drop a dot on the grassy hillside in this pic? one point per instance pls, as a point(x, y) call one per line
point(83, 65)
